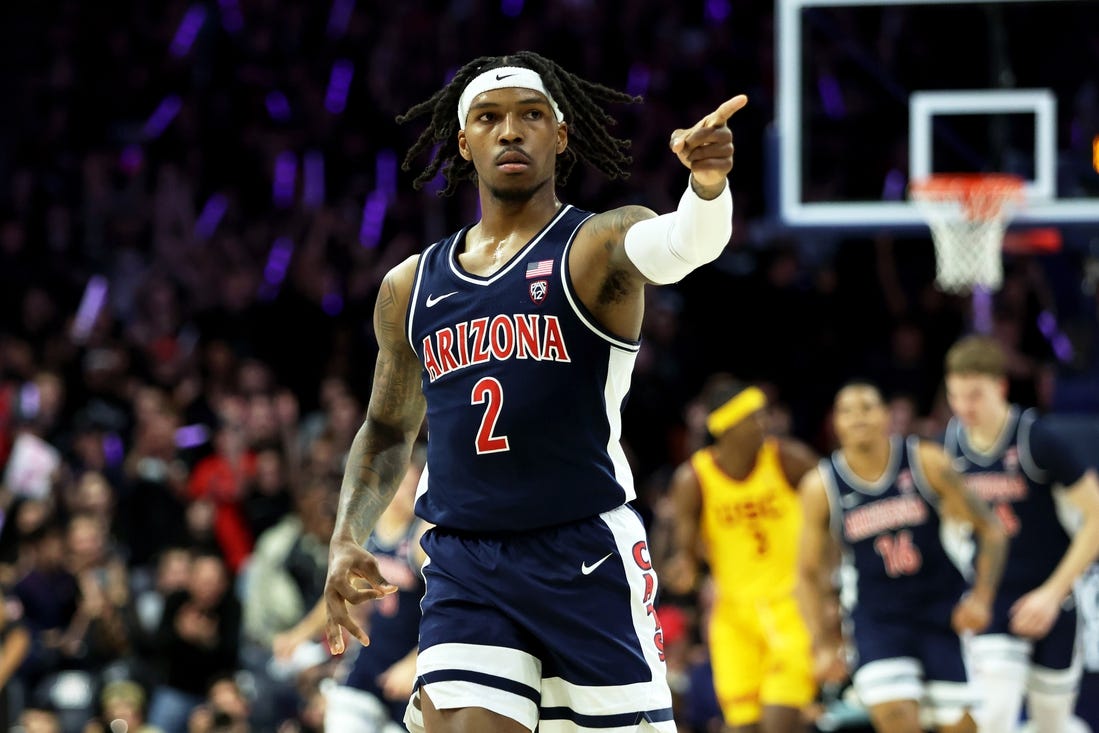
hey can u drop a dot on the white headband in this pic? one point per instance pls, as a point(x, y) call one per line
point(501, 78)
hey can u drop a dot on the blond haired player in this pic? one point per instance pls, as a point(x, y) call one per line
point(1029, 475)
point(736, 508)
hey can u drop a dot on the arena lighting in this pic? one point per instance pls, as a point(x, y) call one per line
point(91, 303)
point(312, 194)
point(274, 272)
point(385, 172)
point(339, 83)
point(286, 174)
point(370, 231)
point(210, 216)
point(188, 30)
point(1058, 341)
point(717, 11)
point(231, 19)
point(162, 116)
point(339, 17)
point(278, 107)
point(639, 79)
point(1095, 154)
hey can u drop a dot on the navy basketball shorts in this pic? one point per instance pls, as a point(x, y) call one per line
point(1052, 664)
point(553, 628)
point(913, 659)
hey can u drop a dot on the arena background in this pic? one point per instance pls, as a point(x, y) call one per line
point(198, 202)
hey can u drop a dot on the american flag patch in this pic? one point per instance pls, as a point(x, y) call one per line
point(539, 269)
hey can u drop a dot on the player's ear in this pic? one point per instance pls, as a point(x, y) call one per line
point(562, 137)
point(1003, 386)
point(463, 146)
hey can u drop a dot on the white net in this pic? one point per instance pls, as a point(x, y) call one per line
point(968, 217)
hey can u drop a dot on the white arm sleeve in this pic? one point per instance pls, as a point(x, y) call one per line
point(666, 248)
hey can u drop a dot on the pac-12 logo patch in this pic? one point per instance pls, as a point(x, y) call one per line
point(538, 290)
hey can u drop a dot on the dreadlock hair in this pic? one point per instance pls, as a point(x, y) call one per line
point(589, 137)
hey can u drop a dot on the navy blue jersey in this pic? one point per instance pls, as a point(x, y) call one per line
point(892, 535)
point(524, 390)
point(1012, 479)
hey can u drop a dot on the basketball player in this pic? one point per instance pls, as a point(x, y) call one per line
point(736, 508)
point(518, 334)
point(375, 692)
point(1011, 459)
point(881, 497)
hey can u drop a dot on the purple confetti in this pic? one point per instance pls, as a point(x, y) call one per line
point(114, 451)
point(982, 309)
point(1062, 347)
point(385, 172)
point(717, 11)
point(894, 186)
point(1047, 324)
point(162, 116)
point(1058, 341)
point(274, 272)
point(370, 232)
point(210, 216)
point(639, 79)
point(278, 107)
point(313, 174)
point(831, 98)
point(332, 303)
point(286, 174)
point(339, 17)
point(192, 436)
point(511, 8)
point(30, 400)
point(131, 159)
point(231, 18)
point(188, 30)
point(91, 303)
point(339, 82)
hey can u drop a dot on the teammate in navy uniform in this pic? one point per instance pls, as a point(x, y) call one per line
point(883, 498)
point(517, 335)
point(373, 695)
point(1011, 459)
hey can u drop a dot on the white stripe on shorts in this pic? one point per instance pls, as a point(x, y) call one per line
point(603, 700)
point(888, 680)
point(482, 676)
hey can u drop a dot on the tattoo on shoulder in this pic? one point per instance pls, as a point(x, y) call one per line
point(615, 224)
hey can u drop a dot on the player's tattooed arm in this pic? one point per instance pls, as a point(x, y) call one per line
point(380, 451)
point(599, 257)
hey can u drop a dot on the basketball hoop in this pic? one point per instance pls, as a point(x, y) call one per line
point(968, 215)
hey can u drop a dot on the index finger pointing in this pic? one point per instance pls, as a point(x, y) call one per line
point(727, 109)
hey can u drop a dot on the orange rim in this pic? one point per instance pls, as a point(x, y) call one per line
point(981, 195)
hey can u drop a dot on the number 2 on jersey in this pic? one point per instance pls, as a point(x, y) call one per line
point(488, 392)
point(901, 557)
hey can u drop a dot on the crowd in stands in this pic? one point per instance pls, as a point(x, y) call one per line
point(197, 205)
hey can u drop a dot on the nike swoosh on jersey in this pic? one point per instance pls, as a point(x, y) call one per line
point(432, 300)
point(589, 569)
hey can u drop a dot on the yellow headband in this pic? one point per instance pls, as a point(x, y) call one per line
point(743, 404)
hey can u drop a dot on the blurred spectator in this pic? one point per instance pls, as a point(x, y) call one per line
point(15, 645)
point(198, 640)
point(225, 709)
point(123, 708)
